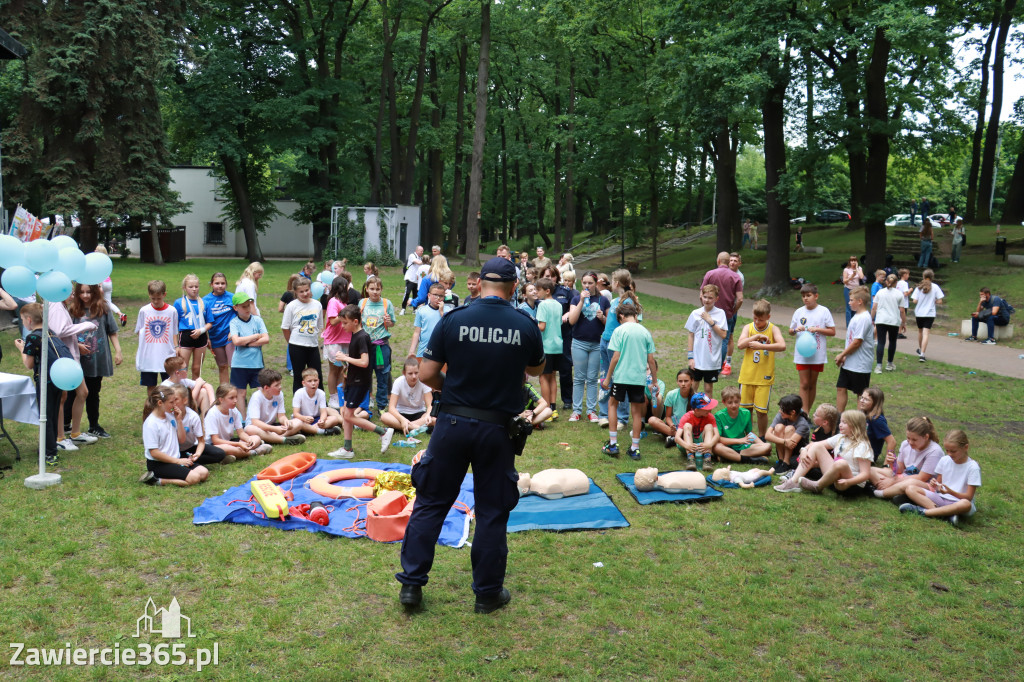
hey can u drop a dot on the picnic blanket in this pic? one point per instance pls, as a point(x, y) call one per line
point(232, 507)
point(655, 496)
point(763, 481)
point(579, 512)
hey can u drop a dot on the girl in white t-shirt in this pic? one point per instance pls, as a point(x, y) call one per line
point(410, 402)
point(164, 463)
point(844, 459)
point(951, 493)
point(915, 465)
point(927, 296)
point(191, 434)
point(225, 427)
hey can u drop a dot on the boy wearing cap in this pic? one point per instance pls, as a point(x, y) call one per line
point(249, 334)
point(697, 433)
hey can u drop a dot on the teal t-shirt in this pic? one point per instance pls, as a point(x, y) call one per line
point(373, 318)
point(734, 428)
point(549, 311)
point(426, 319)
point(248, 357)
point(633, 343)
point(678, 403)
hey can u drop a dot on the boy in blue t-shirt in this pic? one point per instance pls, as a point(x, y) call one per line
point(249, 334)
point(427, 317)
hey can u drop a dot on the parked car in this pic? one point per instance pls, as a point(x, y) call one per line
point(898, 219)
point(939, 219)
point(801, 219)
point(830, 215)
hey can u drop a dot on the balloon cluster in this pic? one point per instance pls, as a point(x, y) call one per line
point(48, 267)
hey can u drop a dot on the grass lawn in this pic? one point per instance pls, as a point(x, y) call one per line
point(756, 585)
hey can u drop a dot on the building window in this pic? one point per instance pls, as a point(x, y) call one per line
point(214, 233)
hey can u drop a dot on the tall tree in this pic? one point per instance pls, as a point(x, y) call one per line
point(970, 210)
point(476, 173)
point(983, 212)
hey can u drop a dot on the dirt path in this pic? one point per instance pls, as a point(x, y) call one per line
point(952, 350)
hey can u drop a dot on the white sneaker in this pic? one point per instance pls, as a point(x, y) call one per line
point(402, 311)
point(602, 422)
point(385, 440)
point(67, 445)
point(333, 402)
point(890, 367)
point(878, 369)
point(340, 453)
point(264, 449)
point(85, 438)
point(296, 439)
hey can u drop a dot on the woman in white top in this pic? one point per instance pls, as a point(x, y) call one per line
point(846, 468)
point(958, 239)
point(927, 296)
point(249, 283)
point(890, 321)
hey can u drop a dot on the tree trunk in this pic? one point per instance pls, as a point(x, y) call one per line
point(1013, 207)
point(810, 177)
point(702, 185)
point(877, 109)
point(570, 150)
point(455, 229)
point(773, 117)
point(724, 152)
point(240, 190)
point(154, 241)
point(476, 173)
point(505, 237)
point(435, 209)
point(988, 158)
point(970, 210)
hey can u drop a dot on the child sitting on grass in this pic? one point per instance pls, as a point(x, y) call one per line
point(225, 428)
point(632, 350)
point(789, 431)
point(164, 463)
point(950, 494)
point(535, 408)
point(357, 382)
point(697, 434)
point(871, 402)
point(266, 416)
point(826, 419)
point(844, 460)
point(309, 405)
point(177, 375)
point(676, 404)
point(410, 401)
point(737, 442)
point(191, 436)
point(919, 456)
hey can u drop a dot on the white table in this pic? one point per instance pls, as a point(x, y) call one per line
point(17, 402)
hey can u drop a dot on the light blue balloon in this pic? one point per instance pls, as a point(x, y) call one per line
point(806, 344)
point(54, 286)
point(62, 241)
point(66, 374)
point(12, 251)
point(71, 262)
point(97, 268)
point(19, 281)
point(40, 255)
point(317, 289)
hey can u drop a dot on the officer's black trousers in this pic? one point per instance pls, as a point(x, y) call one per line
point(456, 444)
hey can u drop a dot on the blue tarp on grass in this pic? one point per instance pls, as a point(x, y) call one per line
point(579, 512)
point(659, 496)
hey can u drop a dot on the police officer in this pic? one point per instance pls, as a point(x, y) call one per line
point(486, 346)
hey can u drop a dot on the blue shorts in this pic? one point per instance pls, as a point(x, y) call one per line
point(245, 377)
point(149, 379)
point(355, 395)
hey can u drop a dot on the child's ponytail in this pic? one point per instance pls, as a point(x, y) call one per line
point(926, 280)
point(923, 426)
point(156, 395)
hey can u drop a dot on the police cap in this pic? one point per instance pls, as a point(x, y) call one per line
point(498, 270)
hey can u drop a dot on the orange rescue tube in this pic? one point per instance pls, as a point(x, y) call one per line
point(321, 483)
point(287, 467)
point(387, 516)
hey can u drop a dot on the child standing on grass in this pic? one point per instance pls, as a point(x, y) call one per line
point(265, 414)
point(707, 327)
point(890, 321)
point(916, 464)
point(760, 341)
point(88, 305)
point(301, 323)
point(225, 428)
point(378, 317)
point(357, 384)
point(192, 324)
point(335, 338)
point(529, 304)
point(309, 405)
point(427, 317)
point(549, 319)
point(857, 358)
point(871, 402)
point(698, 434)
point(817, 320)
point(164, 463)
point(737, 442)
point(248, 335)
point(220, 312)
point(789, 431)
point(844, 460)
point(156, 326)
point(677, 403)
point(410, 401)
point(31, 348)
point(191, 436)
point(950, 494)
point(927, 296)
point(632, 350)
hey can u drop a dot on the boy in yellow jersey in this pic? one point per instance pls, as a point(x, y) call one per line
point(760, 341)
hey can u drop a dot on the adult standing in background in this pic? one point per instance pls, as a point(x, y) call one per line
point(480, 395)
point(541, 262)
point(412, 277)
point(730, 298)
point(249, 283)
point(926, 233)
point(913, 211)
point(926, 208)
point(959, 236)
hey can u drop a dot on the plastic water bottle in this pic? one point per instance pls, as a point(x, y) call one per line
point(653, 389)
point(410, 443)
point(417, 431)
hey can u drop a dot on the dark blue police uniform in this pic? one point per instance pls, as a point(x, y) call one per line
point(487, 347)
